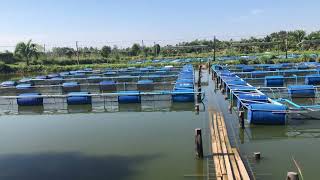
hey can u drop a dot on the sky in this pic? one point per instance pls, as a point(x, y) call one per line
point(124, 22)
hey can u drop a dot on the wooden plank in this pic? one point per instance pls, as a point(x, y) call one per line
point(214, 147)
point(220, 155)
point(234, 165)
point(224, 148)
point(242, 168)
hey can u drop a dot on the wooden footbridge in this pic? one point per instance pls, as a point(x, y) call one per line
point(227, 161)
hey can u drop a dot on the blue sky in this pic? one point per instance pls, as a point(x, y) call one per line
point(122, 22)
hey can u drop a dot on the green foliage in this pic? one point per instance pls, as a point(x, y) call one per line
point(7, 58)
point(4, 68)
point(157, 49)
point(243, 61)
point(26, 51)
point(105, 51)
point(135, 49)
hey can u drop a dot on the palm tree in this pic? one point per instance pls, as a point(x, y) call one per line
point(26, 50)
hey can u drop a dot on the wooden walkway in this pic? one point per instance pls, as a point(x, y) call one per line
point(227, 161)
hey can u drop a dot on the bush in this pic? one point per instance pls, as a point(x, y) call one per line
point(5, 68)
point(256, 61)
point(243, 61)
point(7, 58)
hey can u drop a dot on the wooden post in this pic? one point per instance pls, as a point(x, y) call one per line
point(198, 143)
point(230, 108)
point(197, 107)
point(241, 116)
point(292, 176)
point(257, 155)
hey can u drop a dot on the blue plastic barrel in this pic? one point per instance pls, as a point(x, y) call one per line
point(129, 97)
point(146, 84)
point(71, 86)
point(30, 99)
point(181, 97)
point(79, 98)
point(41, 77)
point(24, 86)
point(108, 85)
point(250, 99)
point(274, 81)
point(268, 114)
point(94, 79)
point(313, 79)
point(63, 74)
point(79, 75)
point(50, 76)
point(8, 84)
point(26, 81)
point(258, 73)
point(297, 91)
point(248, 69)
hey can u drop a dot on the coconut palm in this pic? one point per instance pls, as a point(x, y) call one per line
point(26, 50)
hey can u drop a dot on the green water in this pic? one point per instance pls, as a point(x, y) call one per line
point(142, 144)
point(132, 145)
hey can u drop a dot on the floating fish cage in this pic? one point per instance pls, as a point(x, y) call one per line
point(286, 91)
point(100, 91)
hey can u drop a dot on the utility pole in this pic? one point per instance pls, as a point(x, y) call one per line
point(286, 45)
point(77, 52)
point(214, 48)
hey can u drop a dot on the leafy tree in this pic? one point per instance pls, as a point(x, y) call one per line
point(135, 49)
point(157, 49)
point(105, 51)
point(27, 51)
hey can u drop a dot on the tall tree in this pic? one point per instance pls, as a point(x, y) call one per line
point(26, 51)
point(157, 49)
point(135, 49)
point(105, 51)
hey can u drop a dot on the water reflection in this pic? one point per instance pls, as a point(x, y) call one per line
point(79, 108)
point(30, 109)
point(60, 166)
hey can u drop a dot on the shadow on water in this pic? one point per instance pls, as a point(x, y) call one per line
point(60, 166)
point(30, 109)
point(86, 108)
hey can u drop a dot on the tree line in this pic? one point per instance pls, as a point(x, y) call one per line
point(32, 53)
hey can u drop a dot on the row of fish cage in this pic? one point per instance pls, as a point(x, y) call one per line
point(273, 67)
point(182, 92)
point(101, 87)
point(257, 107)
point(101, 104)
